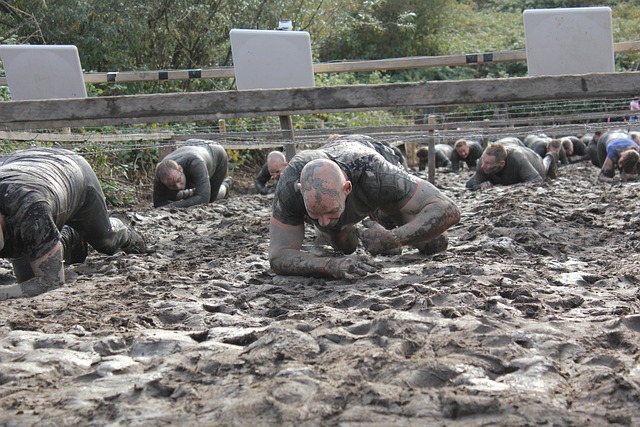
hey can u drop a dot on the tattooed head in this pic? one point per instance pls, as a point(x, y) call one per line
point(324, 188)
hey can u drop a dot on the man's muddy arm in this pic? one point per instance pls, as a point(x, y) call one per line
point(49, 274)
point(287, 258)
point(475, 182)
point(432, 214)
point(608, 173)
point(429, 212)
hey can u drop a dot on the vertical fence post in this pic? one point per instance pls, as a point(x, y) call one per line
point(485, 132)
point(432, 149)
point(222, 125)
point(287, 133)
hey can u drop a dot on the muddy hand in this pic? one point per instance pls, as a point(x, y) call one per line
point(350, 268)
point(377, 239)
point(185, 194)
point(486, 185)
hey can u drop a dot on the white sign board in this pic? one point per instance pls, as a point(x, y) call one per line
point(43, 71)
point(569, 40)
point(271, 59)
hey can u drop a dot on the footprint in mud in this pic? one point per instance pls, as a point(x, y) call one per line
point(632, 322)
point(455, 407)
point(435, 376)
point(281, 344)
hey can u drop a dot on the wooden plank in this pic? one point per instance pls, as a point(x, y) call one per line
point(333, 67)
point(420, 62)
point(147, 76)
point(181, 107)
point(83, 137)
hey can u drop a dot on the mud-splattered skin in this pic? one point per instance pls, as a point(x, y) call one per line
point(41, 190)
point(324, 189)
point(346, 182)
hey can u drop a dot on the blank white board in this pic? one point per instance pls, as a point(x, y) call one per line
point(569, 40)
point(271, 59)
point(43, 71)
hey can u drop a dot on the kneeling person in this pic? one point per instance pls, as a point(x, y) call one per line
point(51, 206)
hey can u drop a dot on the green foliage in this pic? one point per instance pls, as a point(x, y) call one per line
point(242, 158)
point(182, 34)
point(501, 6)
point(388, 28)
point(122, 168)
point(157, 34)
point(625, 28)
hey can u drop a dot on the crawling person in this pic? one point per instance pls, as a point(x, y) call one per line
point(269, 175)
point(512, 164)
point(337, 186)
point(621, 154)
point(194, 173)
point(540, 144)
point(621, 138)
point(575, 148)
point(442, 156)
point(391, 154)
point(51, 206)
point(468, 151)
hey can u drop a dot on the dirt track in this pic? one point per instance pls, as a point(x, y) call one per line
point(530, 318)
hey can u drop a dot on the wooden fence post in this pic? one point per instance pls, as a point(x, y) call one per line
point(485, 133)
point(287, 133)
point(432, 149)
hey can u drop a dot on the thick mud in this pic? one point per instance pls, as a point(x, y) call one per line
point(531, 317)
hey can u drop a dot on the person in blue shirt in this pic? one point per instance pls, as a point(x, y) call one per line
point(622, 153)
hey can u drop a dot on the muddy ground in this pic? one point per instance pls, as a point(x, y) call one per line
point(531, 317)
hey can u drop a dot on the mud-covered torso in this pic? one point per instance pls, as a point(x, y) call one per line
point(34, 183)
point(376, 183)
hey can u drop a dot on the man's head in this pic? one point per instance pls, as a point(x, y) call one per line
point(170, 173)
point(423, 154)
point(462, 148)
point(635, 136)
point(554, 146)
point(628, 162)
point(276, 162)
point(567, 144)
point(324, 188)
point(493, 159)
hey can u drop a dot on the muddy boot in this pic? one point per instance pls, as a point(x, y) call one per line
point(136, 243)
point(551, 165)
point(225, 188)
point(436, 245)
point(74, 248)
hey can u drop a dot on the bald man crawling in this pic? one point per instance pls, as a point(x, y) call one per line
point(337, 186)
point(270, 172)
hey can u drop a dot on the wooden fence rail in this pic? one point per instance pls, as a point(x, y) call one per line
point(188, 107)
